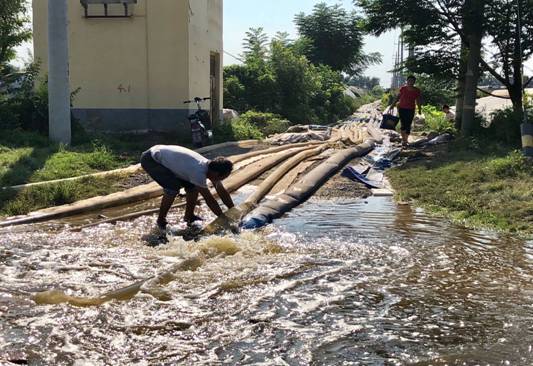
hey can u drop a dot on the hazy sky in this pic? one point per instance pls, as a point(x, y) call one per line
point(278, 15)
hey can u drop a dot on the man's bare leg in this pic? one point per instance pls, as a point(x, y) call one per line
point(166, 203)
point(191, 199)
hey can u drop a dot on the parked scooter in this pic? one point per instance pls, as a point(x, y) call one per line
point(200, 121)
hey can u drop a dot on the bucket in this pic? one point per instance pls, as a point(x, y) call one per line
point(527, 138)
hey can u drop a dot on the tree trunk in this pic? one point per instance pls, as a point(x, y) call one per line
point(471, 81)
point(515, 93)
point(515, 89)
point(459, 99)
point(474, 33)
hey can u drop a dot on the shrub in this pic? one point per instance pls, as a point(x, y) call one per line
point(386, 99)
point(365, 99)
point(436, 120)
point(236, 130)
point(267, 123)
point(436, 91)
point(505, 127)
point(26, 103)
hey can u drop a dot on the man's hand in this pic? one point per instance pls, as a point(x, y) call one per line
point(223, 194)
point(210, 201)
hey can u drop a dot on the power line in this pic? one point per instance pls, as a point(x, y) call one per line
point(235, 57)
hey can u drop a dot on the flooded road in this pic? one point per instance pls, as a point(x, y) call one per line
point(334, 282)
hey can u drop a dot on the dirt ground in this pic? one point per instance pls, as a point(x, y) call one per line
point(342, 187)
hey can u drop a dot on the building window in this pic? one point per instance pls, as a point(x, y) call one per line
point(108, 8)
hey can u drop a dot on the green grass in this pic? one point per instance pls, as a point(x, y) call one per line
point(27, 157)
point(480, 184)
point(30, 199)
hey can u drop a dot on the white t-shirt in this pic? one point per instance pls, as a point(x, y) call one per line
point(184, 163)
point(450, 116)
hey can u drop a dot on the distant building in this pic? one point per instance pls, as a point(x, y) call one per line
point(136, 61)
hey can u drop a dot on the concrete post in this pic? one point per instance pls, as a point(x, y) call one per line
point(58, 77)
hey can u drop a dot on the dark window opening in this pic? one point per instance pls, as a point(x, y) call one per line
point(108, 8)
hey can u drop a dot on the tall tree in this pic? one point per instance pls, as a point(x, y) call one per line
point(473, 15)
point(255, 44)
point(364, 82)
point(335, 38)
point(13, 28)
point(437, 23)
point(283, 38)
point(512, 39)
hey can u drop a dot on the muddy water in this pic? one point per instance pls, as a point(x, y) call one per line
point(348, 282)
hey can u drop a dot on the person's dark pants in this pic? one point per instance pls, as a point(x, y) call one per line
point(406, 119)
point(163, 176)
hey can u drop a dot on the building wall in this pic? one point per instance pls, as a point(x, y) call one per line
point(132, 73)
point(205, 37)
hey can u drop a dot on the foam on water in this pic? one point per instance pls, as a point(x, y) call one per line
point(330, 283)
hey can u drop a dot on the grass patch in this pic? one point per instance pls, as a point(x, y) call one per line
point(34, 198)
point(481, 184)
point(27, 157)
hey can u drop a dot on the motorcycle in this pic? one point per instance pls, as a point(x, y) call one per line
point(200, 122)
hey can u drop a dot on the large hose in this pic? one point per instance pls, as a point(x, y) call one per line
point(234, 182)
point(292, 197)
point(305, 187)
point(140, 193)
point(235, 214)
point(130, 169)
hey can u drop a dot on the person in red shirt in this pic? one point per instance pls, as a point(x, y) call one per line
point(409, 98)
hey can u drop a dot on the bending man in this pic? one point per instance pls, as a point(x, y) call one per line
point(175, 167)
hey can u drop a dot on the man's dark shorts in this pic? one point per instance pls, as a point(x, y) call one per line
point(406, 119)
point(162, 175)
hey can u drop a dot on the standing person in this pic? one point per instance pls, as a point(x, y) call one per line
point(175, 167)
point(409, 98)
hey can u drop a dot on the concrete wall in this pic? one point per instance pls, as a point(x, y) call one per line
point(134, 73)
point(205, 37)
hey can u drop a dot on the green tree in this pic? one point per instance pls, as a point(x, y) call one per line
point(284, 82)
point(295, 83)
point(364, 82)
point(335, 39)
point(283, 37)
point(452, 34)
point(514, 45)
point(255, 44)
point(13, 28)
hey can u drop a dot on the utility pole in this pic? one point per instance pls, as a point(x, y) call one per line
point(525, 128)
point(58, 77)
point(402, 78)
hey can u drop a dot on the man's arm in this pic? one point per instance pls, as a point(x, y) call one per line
point(210, 201)
point(224, 195)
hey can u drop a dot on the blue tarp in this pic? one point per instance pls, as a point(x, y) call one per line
point(381, 158)
point(351, 173)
